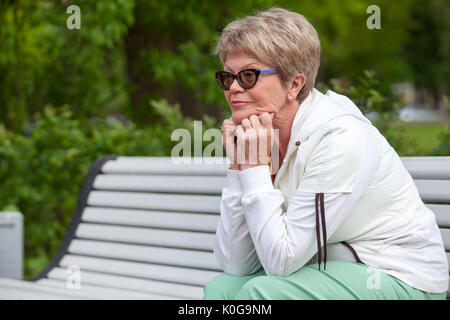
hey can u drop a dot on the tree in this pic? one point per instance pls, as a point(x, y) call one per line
point(428, 49)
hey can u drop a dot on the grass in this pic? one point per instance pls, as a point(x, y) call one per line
point(424, 136)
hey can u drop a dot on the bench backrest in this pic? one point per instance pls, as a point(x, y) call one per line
point(147, 225)
point(432, 178)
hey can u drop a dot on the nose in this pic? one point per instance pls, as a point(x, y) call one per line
point(235, 87)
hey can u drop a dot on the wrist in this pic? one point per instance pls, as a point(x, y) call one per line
point(247, 166)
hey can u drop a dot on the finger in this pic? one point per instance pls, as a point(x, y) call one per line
point(228, 124)
point(246, 124)
point(266, 120)
point(255, 121)
point(252, 146)
point(228, 133)
point(240, 134)
point(228, 127)
point(230, 120)
point(264, 146)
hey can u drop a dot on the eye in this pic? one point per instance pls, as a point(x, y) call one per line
point(248, 77)
point(227, 78)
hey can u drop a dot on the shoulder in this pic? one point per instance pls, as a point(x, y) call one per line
point(334, 163)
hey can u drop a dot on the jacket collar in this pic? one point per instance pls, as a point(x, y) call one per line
point(315, 110)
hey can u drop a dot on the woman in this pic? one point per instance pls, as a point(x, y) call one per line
point(341, 217)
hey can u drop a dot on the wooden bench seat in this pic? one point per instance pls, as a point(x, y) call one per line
point(144, 227)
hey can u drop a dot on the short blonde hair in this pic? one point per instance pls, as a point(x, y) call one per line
point(279, 38)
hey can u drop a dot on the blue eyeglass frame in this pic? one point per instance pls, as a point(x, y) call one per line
point(220, 82)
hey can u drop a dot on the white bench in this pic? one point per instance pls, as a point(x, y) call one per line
point(144, 227)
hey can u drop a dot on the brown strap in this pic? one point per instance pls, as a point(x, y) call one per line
point(320, 201)
point(324, 230)
point(319, 251)
point(345, 243)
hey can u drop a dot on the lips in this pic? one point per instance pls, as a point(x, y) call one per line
point(237, 103)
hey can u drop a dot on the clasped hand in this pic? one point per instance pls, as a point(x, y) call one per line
point(249, 144)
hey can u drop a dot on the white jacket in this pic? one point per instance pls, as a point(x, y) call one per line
point(331, 150)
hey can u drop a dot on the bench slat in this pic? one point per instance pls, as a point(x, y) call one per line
point(142, 270)
point(135, 284)
point(96, 292)
point(167, 165)
point(448, 260)
point(173, 202)
point(161, 183)
point(149, 218)
point(158, 255)
point(146, 236)
point(13, 289)
point(437, 168)
point(148, 229)
point(446, 238)
point(434, 190)
point(442, 213)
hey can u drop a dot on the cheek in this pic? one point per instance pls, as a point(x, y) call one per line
point(267, 100)
point(227, 95)
point(269, 95)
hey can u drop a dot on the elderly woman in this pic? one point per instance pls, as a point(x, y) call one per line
point(341, 217)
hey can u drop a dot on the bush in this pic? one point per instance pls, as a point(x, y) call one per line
point(443, 149)
point(366, 93)
point(41, 174)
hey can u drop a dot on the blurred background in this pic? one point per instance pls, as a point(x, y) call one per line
point(136, 70)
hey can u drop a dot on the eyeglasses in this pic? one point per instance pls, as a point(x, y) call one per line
point(246, 78)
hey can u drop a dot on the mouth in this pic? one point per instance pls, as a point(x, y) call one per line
point(237, 103)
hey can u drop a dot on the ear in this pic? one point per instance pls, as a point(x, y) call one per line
point(297, 84)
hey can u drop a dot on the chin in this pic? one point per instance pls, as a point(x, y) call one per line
point(238, 116)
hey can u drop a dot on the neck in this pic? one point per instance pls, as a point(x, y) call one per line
point(283, 122)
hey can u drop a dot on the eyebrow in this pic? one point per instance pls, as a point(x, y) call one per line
point(244, 67)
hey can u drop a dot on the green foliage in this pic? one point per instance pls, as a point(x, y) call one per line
point(43, 62)
point(128, 52)
point(41, 174)
point(427, 50)
point(366, 94)
point(10, 207)
point(443, 149)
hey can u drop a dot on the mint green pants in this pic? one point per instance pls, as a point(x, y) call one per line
point(341, 280)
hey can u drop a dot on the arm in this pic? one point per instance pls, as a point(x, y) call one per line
point(285, 241)
point(233, 246)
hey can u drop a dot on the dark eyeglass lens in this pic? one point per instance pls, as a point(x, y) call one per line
point(227, 80)
point(247, 78)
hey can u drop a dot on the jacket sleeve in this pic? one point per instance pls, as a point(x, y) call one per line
point(286, 240)
point(233, 246)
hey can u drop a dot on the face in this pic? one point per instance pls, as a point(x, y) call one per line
point(268, 94)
